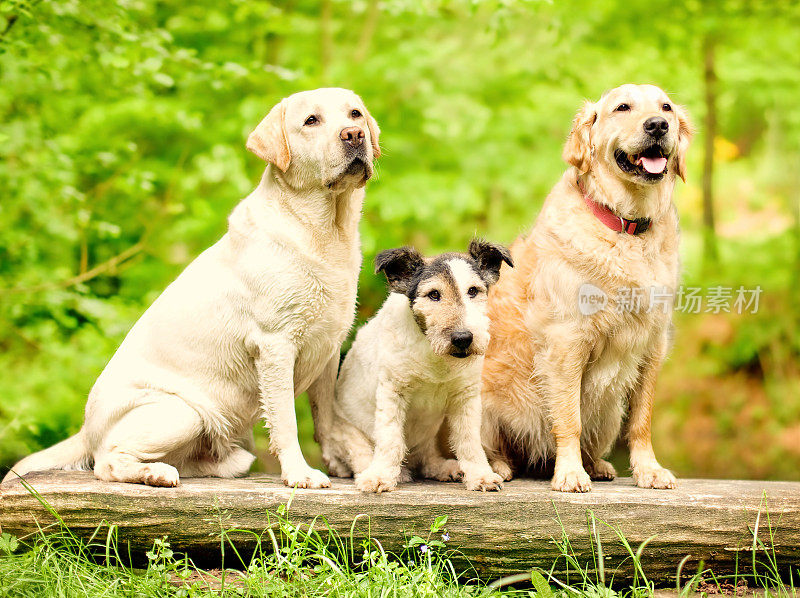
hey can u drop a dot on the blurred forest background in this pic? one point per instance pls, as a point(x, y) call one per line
point(122, 129)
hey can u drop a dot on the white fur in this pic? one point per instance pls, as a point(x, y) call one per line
point(250, 324)
point(394, 392)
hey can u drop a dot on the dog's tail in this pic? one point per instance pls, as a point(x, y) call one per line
point(71, 453)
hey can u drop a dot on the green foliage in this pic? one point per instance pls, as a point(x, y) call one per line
point(8, 543)
point(122, 128)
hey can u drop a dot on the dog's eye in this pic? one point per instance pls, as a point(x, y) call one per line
point(666, 108)
point(622, 108)
point(311, 120)
point(473, 291)
point(434, 295)
point(355, 114)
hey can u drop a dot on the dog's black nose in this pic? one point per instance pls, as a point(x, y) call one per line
point(461, 339)
point(656, 126)
point(353, 136)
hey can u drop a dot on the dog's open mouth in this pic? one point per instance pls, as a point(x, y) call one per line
point(461, 354)
point(650, 164)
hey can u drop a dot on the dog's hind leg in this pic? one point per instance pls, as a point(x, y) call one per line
point(140, 445)
point(433, 466)
point(599, 469)
point(234, 464)
point(321, 397)
point(350, 448)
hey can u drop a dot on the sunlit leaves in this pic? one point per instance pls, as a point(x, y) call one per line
point(125, 120)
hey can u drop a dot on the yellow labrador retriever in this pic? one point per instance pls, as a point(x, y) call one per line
point(254, 321)
point(581, 325)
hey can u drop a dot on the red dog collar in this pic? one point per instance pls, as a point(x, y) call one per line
point(616, 223)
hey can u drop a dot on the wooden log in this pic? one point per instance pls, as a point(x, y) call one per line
point(499, 533)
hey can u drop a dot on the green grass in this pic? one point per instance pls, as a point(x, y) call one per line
point(312, 560)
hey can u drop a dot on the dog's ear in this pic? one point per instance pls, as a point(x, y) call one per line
point(578, 149)
point(269, 140)
point(399, 265)
point(490, 258)
point(685, 132)
point(374, 132)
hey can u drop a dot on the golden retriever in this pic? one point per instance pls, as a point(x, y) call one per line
point(581, 325)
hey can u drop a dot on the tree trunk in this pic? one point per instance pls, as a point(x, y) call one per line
point(710, 251)
point(274, 41)
point(794, 200)
point(326, 40)
point(367, 31)
point(499, 533)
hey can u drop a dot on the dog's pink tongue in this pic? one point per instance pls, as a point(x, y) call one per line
point(653, 165)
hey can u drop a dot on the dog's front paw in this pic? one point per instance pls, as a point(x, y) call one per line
point(161, 474)
point(503, 469)
point(375, 481)
point(601, 470)
point(485, 482)
point(306, 478)
point(654, 477)
point(571, 480)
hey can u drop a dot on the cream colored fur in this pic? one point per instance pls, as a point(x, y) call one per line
point(255, 320)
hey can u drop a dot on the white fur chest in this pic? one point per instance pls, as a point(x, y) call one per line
point(427, 403)
point(298, 281)
point(433, 382)
point(330, 313)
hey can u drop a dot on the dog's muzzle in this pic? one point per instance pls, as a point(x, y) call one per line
point(357, 169)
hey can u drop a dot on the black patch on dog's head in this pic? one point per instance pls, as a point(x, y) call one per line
point(421, 321)
point(400, 266)
point(406, 270)
point(489, 257)
point(435, 267)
